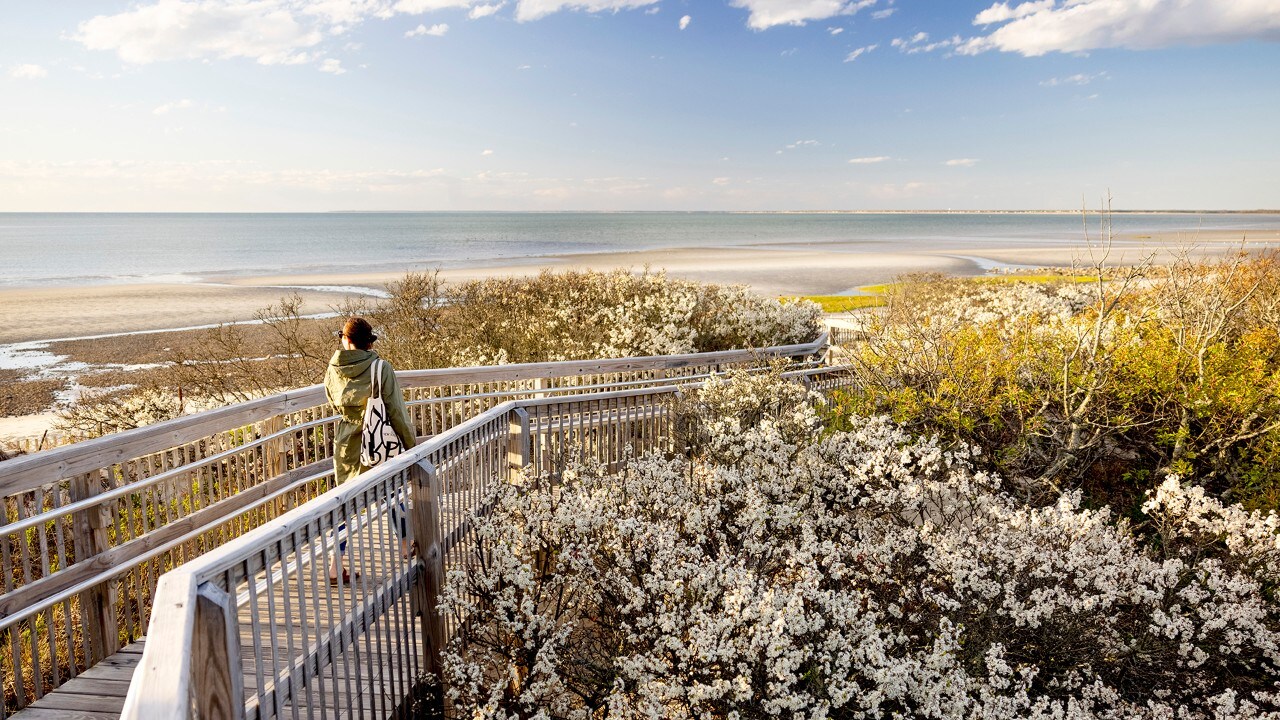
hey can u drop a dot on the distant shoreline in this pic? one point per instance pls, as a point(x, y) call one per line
point(776, 268)
point(1076, 211)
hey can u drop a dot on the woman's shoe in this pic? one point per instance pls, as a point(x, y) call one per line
point(345, 579)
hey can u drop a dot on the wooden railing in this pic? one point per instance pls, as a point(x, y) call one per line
point(226, 641)
point(91, 527)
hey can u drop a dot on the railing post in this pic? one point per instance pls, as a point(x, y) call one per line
point(430, 552)
point(217, 684)
point(98, 604)
point(519, 446)
point(167, 660)
point(274, 449)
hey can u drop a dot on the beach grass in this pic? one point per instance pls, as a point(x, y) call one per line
point(1011, 278)
point(844, 303)
point(871, 296)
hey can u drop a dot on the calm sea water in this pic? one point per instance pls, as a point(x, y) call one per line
point(91, 248)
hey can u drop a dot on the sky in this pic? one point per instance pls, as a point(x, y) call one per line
point(460, 105)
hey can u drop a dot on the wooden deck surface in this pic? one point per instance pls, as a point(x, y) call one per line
point(95, 694)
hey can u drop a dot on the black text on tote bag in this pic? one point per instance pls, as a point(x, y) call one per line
point(378, 439)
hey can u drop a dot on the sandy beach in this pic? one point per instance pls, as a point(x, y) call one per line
point(46, 313)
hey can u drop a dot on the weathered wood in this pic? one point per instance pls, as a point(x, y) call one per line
point(109, 561)
point(518, 445)
point(217, 683)
point(35, 713)
point(166, 660)
point(98, 604)
point(430, 554)
point(28, 471)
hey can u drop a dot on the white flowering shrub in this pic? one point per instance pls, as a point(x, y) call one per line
point(861, 574)
point(582, 315)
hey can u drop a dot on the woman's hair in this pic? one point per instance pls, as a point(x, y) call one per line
point(359, 332)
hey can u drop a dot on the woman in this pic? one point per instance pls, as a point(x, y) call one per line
point(348, 382)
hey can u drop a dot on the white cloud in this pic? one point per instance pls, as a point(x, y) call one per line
point(27, 72)
point(330, 65)
point(268, 31)
point(769, 13)
point(721, 181)
point(653, 10)
point(803, 143)
point(835, 30)
point(486, 152)
point(480, 11)
point(281, 31)
point(684, 22)
point(882, 14)
point(961, 162)
point(437, 30)
point(533, 9)
point(1077, 79)
point(859, 52)
point(869, 160)
point(919, 43)
point(1044, 26)
point(419, 7)
point(1001, 12)
point(165, 109)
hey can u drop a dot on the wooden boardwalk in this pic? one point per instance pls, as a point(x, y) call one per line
point(315, 609)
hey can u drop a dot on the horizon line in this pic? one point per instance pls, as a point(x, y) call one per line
point(917, 211)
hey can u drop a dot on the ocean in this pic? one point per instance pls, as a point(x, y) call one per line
point(74, 249)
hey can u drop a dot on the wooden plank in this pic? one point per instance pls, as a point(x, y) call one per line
point(98, 687)
point(46, 714)
point(69, 701)
point(107, 671)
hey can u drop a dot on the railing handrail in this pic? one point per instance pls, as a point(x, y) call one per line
point(28, 472)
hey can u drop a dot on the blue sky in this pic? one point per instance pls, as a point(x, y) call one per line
point(302, 105)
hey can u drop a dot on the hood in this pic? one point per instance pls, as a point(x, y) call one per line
point(348, 382)
point(352, 363)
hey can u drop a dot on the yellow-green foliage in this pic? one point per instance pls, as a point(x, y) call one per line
point(842, 303)
point(1006, 278)
point(1110, 387)
point(873, 295)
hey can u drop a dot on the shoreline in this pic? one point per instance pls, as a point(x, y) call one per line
point(49, 313)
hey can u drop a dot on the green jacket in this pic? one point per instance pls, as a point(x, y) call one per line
point(348, 383)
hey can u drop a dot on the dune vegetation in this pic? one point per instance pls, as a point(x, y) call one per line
point(426, 323)
point(1040, 500)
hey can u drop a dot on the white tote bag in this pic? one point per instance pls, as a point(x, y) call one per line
point(378, 439)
